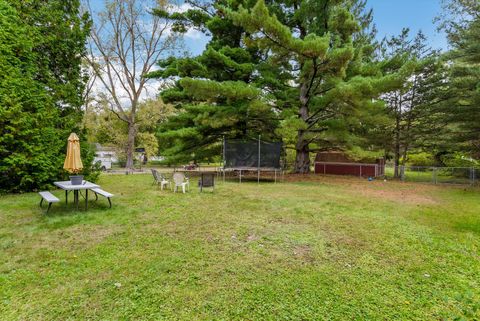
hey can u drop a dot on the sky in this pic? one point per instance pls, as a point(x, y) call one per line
point(390, 16)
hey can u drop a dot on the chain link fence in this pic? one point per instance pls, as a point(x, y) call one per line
point(422, 174)
point(434, 175)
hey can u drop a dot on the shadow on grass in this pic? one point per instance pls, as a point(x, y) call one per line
point(66, 215)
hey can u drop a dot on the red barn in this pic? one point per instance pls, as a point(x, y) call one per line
point(338, 163)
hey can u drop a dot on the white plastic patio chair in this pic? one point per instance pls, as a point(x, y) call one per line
point(164, 181)
point(161, 180)
point(179, 179)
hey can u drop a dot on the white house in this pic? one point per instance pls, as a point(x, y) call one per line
point(105, 155)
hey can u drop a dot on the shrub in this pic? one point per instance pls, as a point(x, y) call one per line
point(40, 90)
point(459, 160)
point(421, 159)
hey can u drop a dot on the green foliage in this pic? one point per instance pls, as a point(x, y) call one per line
point(216, 96)
point(91, 170)
point(462, 99)
point(319, 69)
point(307, 69)
point(60, 33)
point(421, 159)
point(358, 154)
point(40, 89)
point(412, 105)
point(104, 127)
point(459, 160)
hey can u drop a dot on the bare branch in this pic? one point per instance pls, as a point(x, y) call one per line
point(126, 41)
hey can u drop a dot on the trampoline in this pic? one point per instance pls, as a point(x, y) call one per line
point(246, 156)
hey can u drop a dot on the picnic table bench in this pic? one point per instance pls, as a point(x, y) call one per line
point(48, 197)
point(67, 186)
point(103, 193)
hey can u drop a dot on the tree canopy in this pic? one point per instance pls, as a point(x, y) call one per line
point(214, 93)
point(462, 104)
point(295, 77)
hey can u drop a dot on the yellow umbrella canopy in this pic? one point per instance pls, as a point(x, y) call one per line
point(73, 162)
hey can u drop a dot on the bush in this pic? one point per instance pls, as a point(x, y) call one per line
point(41, 88)
point(421, 159)
point(29, 138)
point(459, 160)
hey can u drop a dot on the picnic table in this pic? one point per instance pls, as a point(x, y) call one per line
point(68, 187)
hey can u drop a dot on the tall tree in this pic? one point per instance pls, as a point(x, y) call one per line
point(234, 54)
point(462, 24)
point(125, 42)
point(41, 87)
point(214, 93)
point(412, 106)
point(61, 31)
point(325, 78)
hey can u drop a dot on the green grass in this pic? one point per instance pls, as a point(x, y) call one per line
point(321, 248)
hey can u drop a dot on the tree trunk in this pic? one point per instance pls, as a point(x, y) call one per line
point(130, 148)
point(302, 158)
point(407, 139)
point(397, 148)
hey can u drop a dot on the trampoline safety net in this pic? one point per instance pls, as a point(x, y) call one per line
point(243, 153)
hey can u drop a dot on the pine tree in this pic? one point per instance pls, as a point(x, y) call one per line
point(463, 104)
point(318, 67)
point(215, 97)
point(413, 105)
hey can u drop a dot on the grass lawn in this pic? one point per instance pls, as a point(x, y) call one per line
point(320, 248)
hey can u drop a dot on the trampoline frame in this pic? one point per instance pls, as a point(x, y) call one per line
point(257, 169)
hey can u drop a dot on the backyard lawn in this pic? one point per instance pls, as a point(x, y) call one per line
point(312, 248)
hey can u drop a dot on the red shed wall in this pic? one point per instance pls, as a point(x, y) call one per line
point(354, 169)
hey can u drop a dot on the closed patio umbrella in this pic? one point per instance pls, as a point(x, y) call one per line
point(73, 162)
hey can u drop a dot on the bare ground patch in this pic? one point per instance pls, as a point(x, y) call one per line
point(401, 192)
point(69, 239)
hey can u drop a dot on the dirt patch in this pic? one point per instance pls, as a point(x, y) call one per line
point(77, 237)
point(401, 192)
point(412, 196)
point(304, 253)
